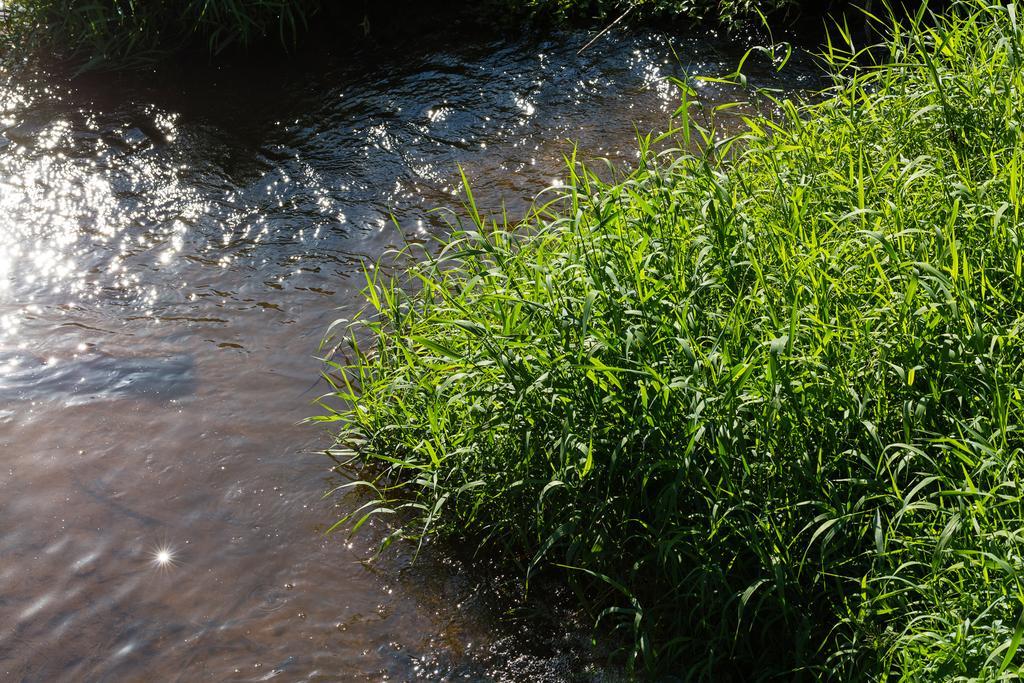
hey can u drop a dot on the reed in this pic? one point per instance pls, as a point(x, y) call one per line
point(758, 400)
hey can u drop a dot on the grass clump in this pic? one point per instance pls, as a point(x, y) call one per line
point(759, 402)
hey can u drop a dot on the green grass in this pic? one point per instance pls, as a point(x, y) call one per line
point(759, 403)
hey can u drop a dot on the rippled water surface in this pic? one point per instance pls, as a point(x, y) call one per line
point(171, 250)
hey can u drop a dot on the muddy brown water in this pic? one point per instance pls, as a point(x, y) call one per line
point(171, 250)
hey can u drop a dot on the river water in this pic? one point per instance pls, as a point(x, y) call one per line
point(172, 247)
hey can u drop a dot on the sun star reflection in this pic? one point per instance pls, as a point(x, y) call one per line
point(163, 557)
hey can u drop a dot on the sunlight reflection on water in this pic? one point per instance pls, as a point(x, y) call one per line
point(170, 253)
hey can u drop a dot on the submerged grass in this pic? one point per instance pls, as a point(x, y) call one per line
point(759, 402)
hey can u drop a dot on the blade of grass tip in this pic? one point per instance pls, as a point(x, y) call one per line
point(478, 222)
point(1011, 651)
point(608, 28)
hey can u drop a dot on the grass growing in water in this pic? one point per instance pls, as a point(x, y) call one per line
point(760, 402)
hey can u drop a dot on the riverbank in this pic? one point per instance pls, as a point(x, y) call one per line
point(121, 35)
point(207, 225)
point(757, 400)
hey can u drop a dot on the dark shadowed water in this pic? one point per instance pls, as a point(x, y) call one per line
point(171, 250)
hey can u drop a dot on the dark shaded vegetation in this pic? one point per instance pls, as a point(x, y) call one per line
point(126, 33)
point(760, 399)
